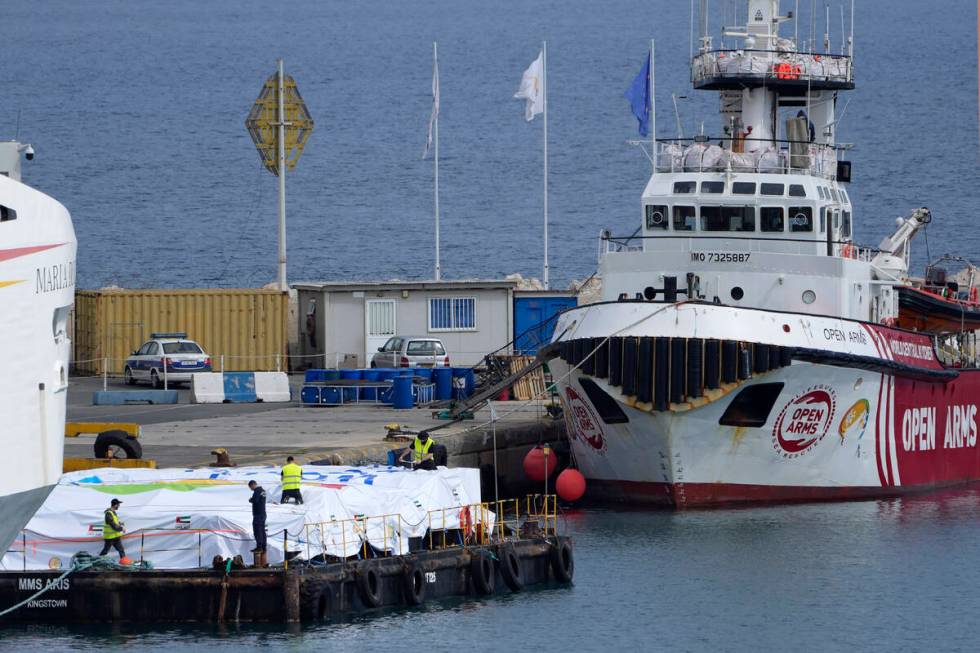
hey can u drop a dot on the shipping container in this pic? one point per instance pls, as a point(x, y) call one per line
point(242, 329)
point(533, 318)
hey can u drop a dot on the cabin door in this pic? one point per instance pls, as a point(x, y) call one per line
point(380, 322)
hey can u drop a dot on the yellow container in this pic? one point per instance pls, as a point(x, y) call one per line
point(245, 329)
point(80, 464)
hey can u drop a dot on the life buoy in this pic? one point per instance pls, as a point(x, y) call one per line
point(481, 571)
point(510, 568)
point(369, 585)
point(849, 251)
point(413, 584)
point(562, 561)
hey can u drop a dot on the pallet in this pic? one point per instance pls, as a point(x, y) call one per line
point(531, 385)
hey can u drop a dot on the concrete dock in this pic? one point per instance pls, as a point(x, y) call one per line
point(184, 434)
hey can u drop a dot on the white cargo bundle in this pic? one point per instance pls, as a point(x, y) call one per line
point(182, 518)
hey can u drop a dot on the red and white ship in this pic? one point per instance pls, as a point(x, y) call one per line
point(745, 348)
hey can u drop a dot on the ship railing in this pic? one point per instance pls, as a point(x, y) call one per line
point(746, 155)
point(818, 69)
point(750, 242)
point(475, 524)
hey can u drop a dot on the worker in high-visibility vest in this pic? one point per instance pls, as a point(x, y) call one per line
point(292, 478)
point(421, 456)
point(112, 530)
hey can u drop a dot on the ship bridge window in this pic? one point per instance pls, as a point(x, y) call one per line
point(797, 190)
point(771, 218)
point(823, 219)
point(727, 218)
point(713, 187)
point(772, 189)
point(845, 224)
point(684, 187)
point(7, 214)
point(656, 216)
point(685, 218)
point(606, 406)
point(833, 191)
point(743, 188)
point(801, 219)
point(820, 192)
point(752, 406)
point(847, 198)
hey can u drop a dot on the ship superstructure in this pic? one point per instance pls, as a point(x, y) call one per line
point(746, 347)
point(37, 287)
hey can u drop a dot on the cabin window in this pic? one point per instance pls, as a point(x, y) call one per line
point(833, 191)
point(452, 314)
point(727, 218)
point(826, 192)
point(845, 224)
point(7, 214)
point(772, 189)
point(607, 407)
point(820, 192)
point(685, 218)
point(823, 219)
point(713, 187)
point(656, 216)
point(797, 190)
point(743, 188)
point(752, 406)
point(836, 220)
point(771, 219)
point(801, 219)
point(684, 187)
point(847, 198)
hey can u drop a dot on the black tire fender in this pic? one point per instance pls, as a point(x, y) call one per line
point(482, 573)
point(369, 585)
point(119, 439)
point(314, 600)
point(563, 561)
point(511, 568)
point(413, 584)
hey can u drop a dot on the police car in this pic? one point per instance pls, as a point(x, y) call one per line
point(170, 354)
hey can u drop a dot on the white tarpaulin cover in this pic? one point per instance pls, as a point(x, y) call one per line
point(182, 518)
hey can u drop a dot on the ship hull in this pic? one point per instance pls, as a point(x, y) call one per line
point(871, 418)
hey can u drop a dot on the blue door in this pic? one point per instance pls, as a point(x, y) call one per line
point(534, 321)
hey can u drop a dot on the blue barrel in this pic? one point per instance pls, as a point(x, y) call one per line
point(386, 374)
point(406, 372)
point(350, 394)
point(443, 376)
point(425, 373)
point(310, 394)
point(330, 395)
point(329, 375)
point(401, 389)
point(312, 376)
point(370, 394)
point(464, 382)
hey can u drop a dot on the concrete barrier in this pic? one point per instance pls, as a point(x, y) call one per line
point(239, 387)
point(123, 397)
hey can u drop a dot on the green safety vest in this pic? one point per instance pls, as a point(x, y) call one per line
point(419, 450)
point(111, 529)
point(292, 476)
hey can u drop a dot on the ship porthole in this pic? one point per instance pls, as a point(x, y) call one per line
point(737, 293)
point(809, 296)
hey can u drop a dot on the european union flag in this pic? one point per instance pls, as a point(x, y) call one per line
point(639, 96)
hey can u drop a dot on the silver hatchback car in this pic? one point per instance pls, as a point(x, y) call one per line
point(411, 351)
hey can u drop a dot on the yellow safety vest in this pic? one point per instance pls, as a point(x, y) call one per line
point(292, 476)
point(111, 528)
point(419, 450)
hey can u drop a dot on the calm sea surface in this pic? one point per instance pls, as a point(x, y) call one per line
point(136, 111)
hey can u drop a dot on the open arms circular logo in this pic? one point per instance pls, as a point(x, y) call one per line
point(584, 423)
point(804, 421)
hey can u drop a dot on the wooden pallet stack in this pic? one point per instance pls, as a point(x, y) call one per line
point(530, 386)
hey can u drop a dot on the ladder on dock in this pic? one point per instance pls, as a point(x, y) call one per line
point(458, 409)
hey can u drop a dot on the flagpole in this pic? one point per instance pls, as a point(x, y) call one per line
point(544, 89)
point(435, 71)
point(653, 104)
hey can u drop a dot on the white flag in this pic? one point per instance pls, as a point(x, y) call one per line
point(532, 88)
point(434, 116)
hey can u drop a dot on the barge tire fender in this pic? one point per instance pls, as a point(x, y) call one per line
point(413, 584)
point(314, 600)
point(563, 561)
point(510, 568)
point(482, 571)
point(369, 584)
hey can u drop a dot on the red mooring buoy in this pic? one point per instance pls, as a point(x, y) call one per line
point(570, 485)
point(538, 460)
